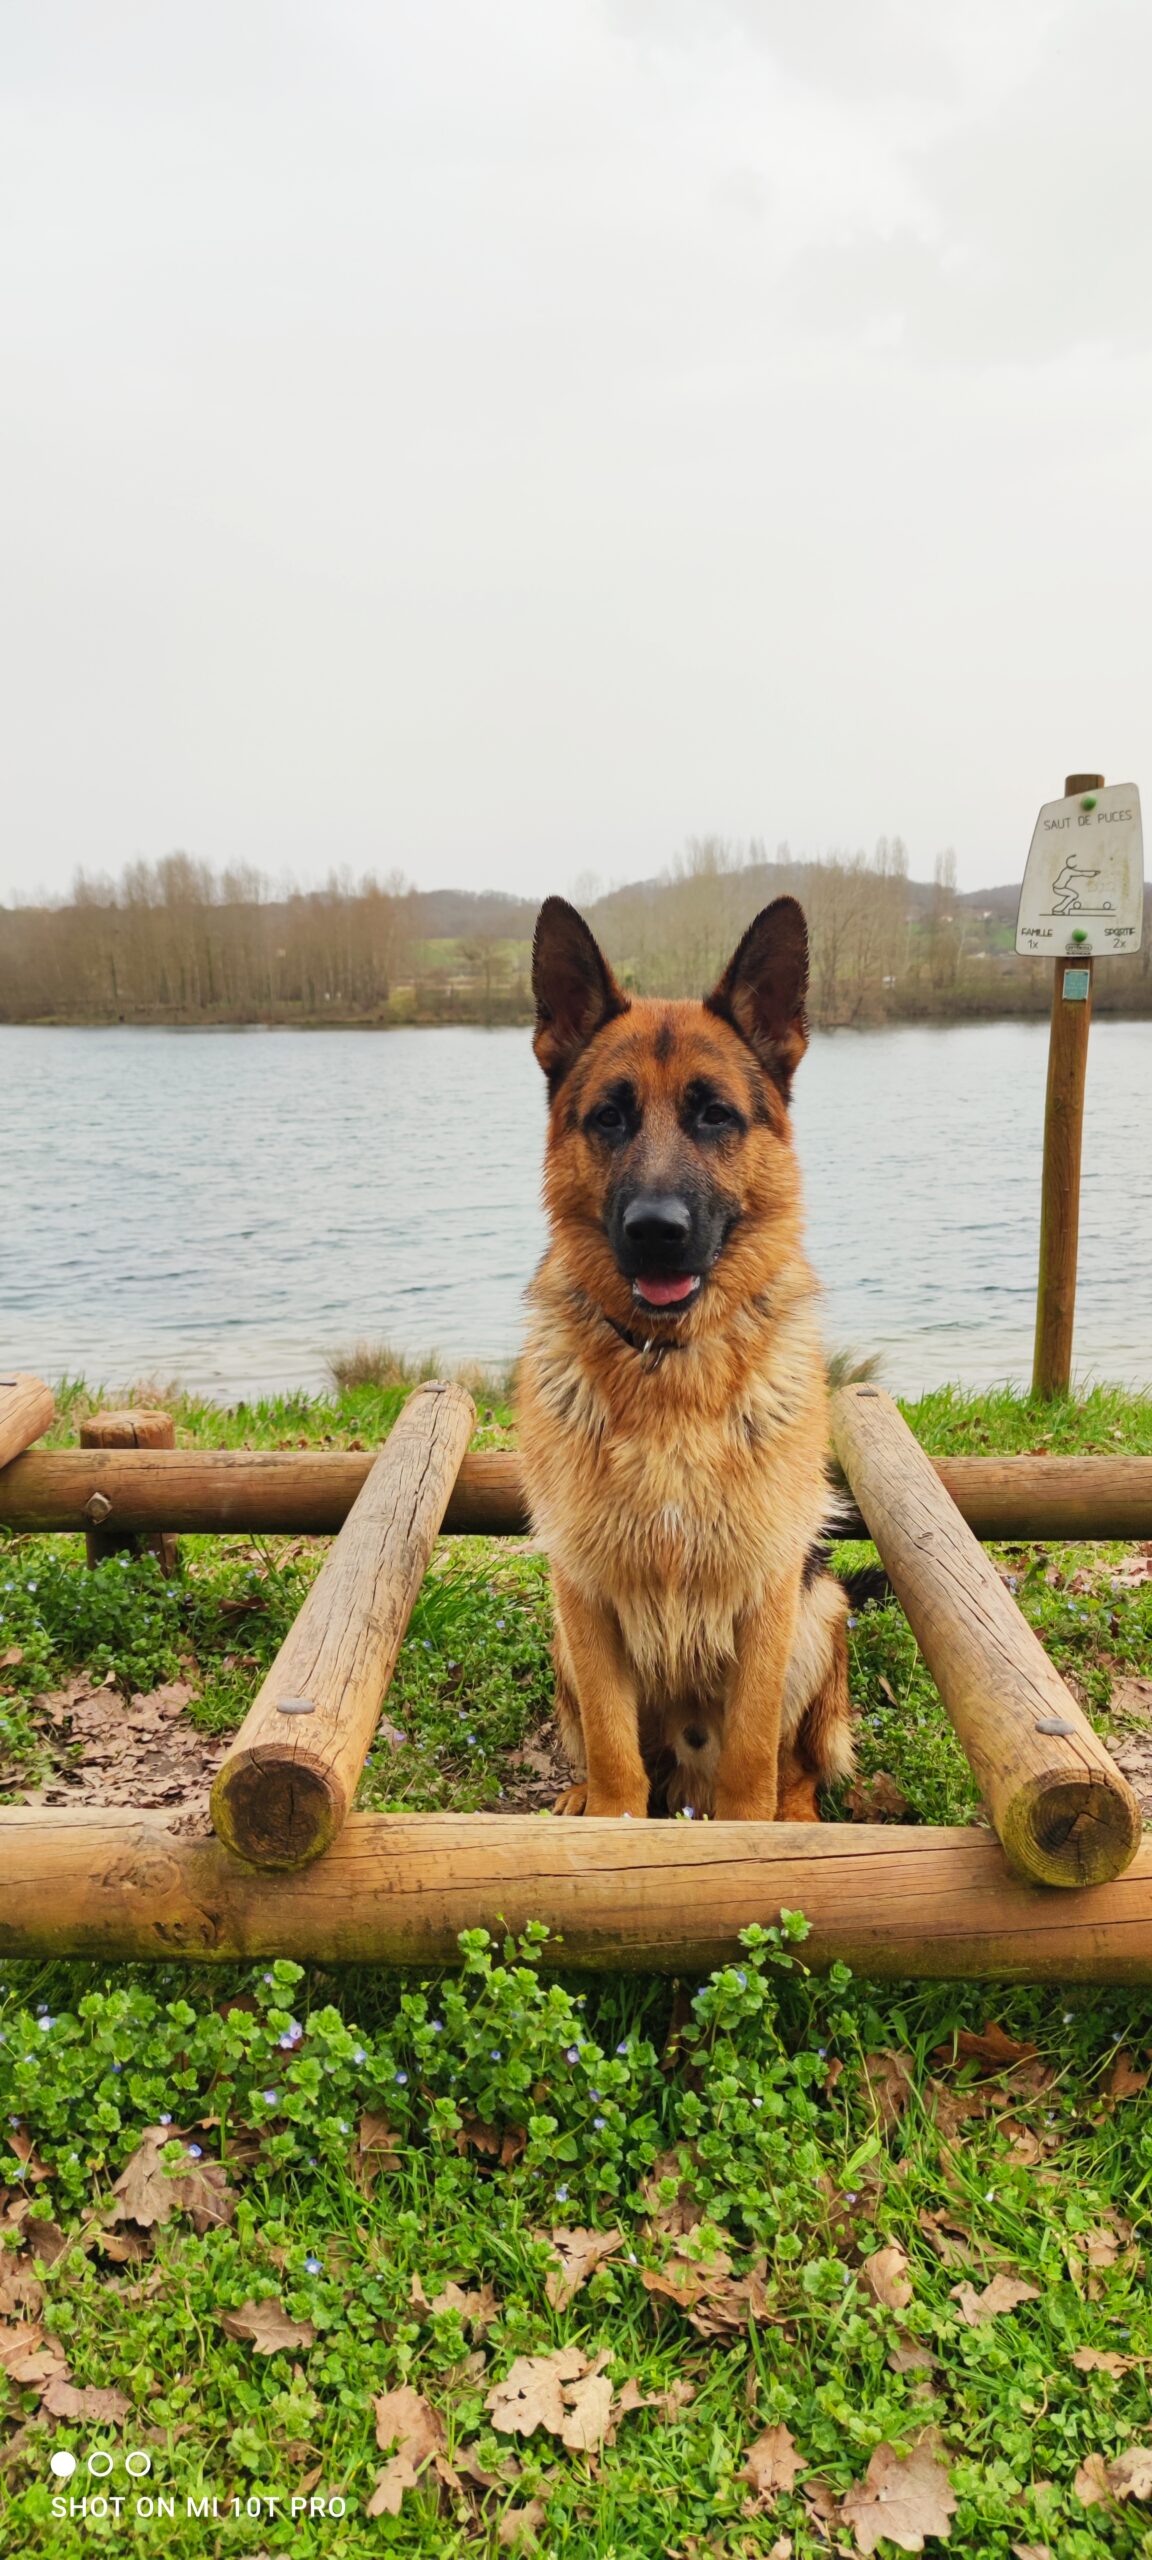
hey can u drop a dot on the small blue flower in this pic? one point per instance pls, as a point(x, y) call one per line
point(165, 2119)
point(195, 2151)
point(313, 2267)
point(359, 2054)
point(561, 2195)
point(495, 2055)
point(341, 2127)
point(437, 2026)
point(741, 1977)
point(270, 2097)
point(599, 2123)
point(622, 2048)
point(401, 2079)
point(572, 2053)
point(45, 2023)
point(117, 2066)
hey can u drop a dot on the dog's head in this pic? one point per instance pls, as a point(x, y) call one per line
point(670, 1172)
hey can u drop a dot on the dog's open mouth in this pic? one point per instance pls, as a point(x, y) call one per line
point(667, 1294)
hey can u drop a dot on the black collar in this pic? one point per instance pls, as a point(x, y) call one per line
point(636, 1341)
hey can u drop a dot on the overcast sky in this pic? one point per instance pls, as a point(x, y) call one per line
point(503, 438)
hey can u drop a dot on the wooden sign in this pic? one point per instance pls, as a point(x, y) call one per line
point(1083, 893)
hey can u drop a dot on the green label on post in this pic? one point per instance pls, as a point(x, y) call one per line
point(1076, 985)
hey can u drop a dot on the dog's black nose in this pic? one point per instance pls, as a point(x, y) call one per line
point(657, 1220)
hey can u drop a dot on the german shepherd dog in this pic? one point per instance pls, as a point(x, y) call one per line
point(672, 1396)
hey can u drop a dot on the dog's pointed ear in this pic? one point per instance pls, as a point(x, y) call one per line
point(573, 985)
point(763, 989)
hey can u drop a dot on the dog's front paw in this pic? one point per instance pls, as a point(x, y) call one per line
point(573, 1800)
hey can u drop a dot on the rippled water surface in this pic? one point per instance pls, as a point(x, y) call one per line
point(228, 1207)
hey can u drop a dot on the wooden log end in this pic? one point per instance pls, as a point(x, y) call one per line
point(277, 1810)
point(1071, 1830)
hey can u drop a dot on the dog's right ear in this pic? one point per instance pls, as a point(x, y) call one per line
point(573, 985)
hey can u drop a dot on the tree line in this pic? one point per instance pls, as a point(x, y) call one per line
point(174, 941)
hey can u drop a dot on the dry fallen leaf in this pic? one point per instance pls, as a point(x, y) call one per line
point(910, 2355)
point(1091, 2484)
point(27, 2356)
point(992, 2047)
point(878, 1798)
point(886, 2276)
point(266, 2326)
point(1125, 2079)
point(771, 2464)
point(890, 2083)
point(1103, 2360)
point(947, 2235)
point(1130, 2475)
point(901, 2500)
point(578, 2254)
point(519, 2526)
point(531, 2394)
point(92, 2405)
point(588, 2413)
point(1002, 2294)
point(1031, 2551)
point(407, 2421)
point(489, 2144)
point(668, 2403)
point(149, 2194)
point(377, 2151)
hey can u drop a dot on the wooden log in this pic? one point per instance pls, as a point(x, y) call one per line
point(310, 1492)
point(132, 1427)
point(1064, 1813)
point(657, 1897)
point(289, 1778)
point(1070, 1024)
point(27, 1407)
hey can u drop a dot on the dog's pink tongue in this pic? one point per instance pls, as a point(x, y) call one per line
point(667, 1293)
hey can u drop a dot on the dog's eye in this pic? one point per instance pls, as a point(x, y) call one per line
point(609, 1119)
point(716, 1115)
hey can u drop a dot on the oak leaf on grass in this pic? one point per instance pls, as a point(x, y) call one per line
point(577, 2254)
point(266, 2326)
point(1002, 2294)
point(902, 2498)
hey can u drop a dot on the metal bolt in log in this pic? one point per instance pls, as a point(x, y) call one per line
point(651, 1897)
point(1063, 1812)
point(310, 1492)
point(289, 1779)
point(134, 1427)
point(26, 1409)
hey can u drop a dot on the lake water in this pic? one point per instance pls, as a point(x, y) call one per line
point(228, 1207)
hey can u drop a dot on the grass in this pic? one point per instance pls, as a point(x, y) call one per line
point(518, 2103)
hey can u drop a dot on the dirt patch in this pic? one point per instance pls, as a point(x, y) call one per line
point(535, 1772)
point(143, 1751)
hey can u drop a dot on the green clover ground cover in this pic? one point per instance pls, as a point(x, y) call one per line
point(814, 2182)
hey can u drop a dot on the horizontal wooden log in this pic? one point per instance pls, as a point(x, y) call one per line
point(291, 1773)
point(1063, 1812)
point(309, 1492)
point(27, 1407)
point(305, 1492)
point(656, 1897)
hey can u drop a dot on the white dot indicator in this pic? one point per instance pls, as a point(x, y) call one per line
point(63, 2464)
point(100, 2463)
point(138, 2464)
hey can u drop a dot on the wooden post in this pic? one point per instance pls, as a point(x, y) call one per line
point(26, 1409)
point(289, 1779)
point(136, 1427)
point(310, 1492)
point(1063, 1133)
point(641, 1897)
point(1063, 1811)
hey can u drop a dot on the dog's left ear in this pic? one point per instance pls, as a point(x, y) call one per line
point(763, 988)
point(573, 985)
